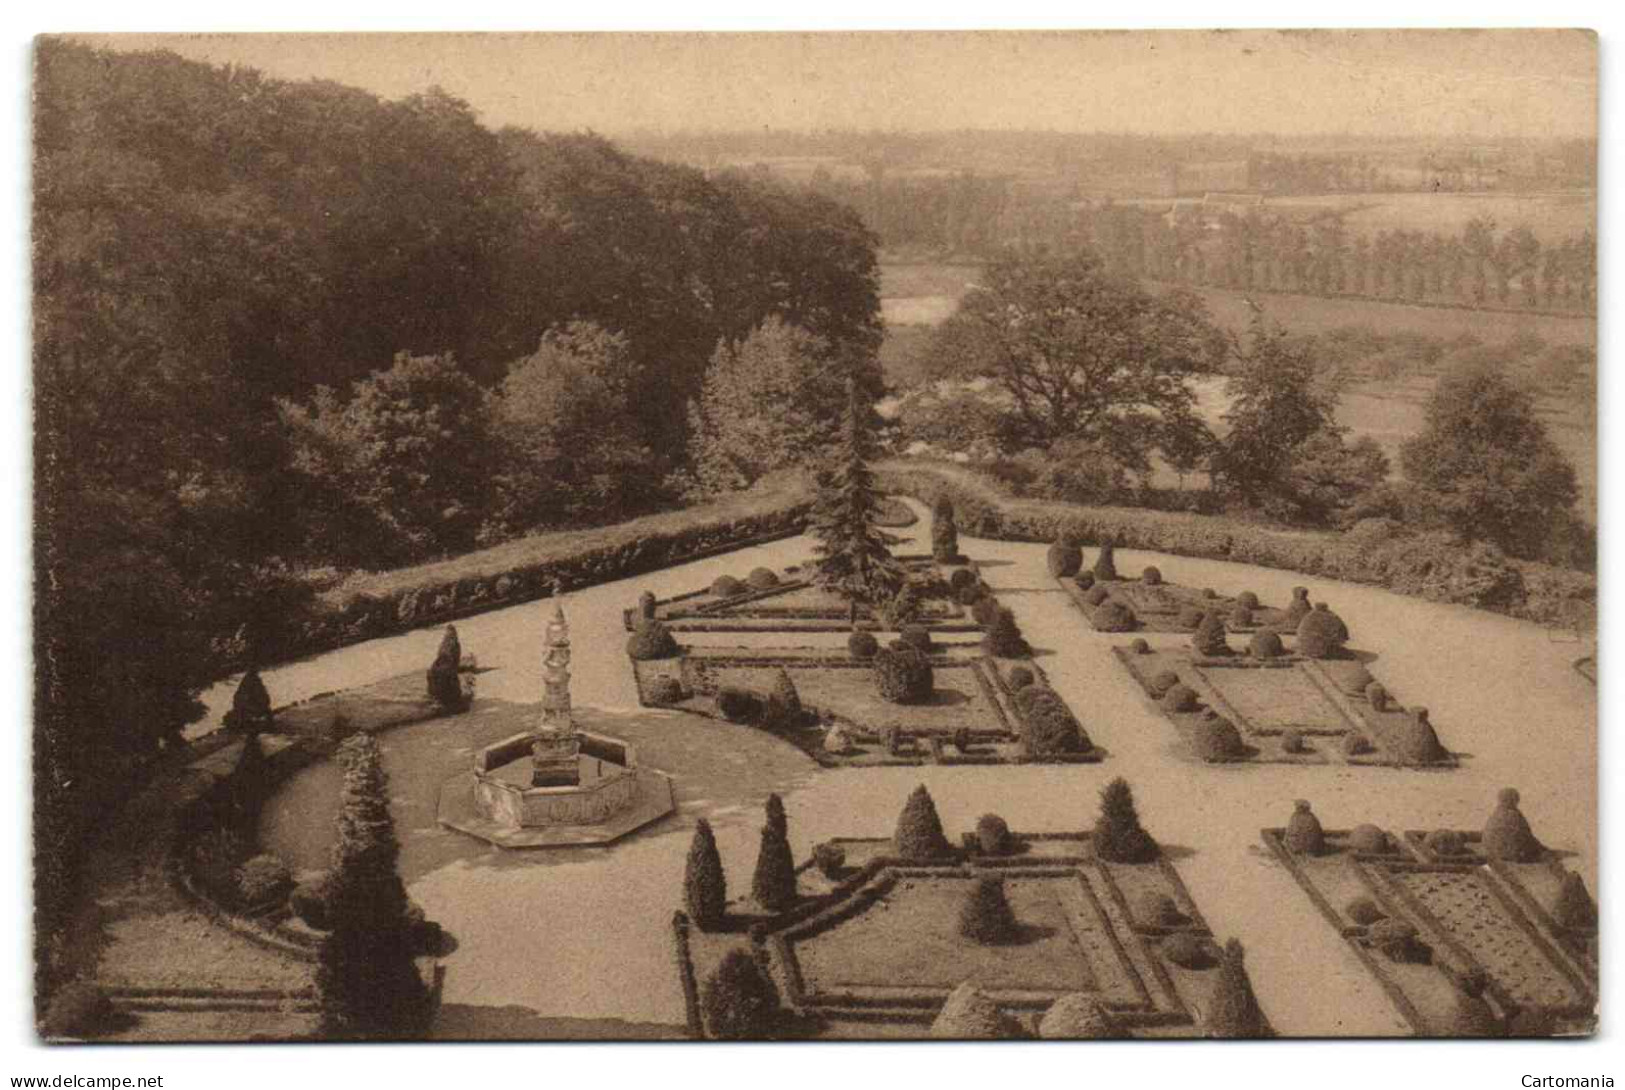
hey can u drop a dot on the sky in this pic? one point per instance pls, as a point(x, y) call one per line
point(1483, 84)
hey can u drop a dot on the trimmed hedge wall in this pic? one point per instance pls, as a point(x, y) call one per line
point(1430, 566)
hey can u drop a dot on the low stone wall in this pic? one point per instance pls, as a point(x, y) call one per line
point(519, 806)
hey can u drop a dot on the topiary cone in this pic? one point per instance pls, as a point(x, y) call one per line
point(773, 885)
point(1507, 835)
point(968, 1015)
point(1574, 909)
point(1105, 564)
point(1078, 1016)
point(1119, 837)
point(919, 833)
point(1208, 639)
point(705, 886)
point(739, 1002)
point(986, 917)
point(1233, 1010)
point(1303, 832)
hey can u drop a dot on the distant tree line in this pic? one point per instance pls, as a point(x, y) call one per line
point(280, 326)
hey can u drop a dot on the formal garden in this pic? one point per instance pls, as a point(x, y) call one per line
point(1001, 935)
point(1470, 933)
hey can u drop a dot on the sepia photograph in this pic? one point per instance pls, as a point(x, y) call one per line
point(812, 536)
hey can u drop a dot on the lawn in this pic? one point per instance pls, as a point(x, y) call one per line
point(909, 938)
point(1269, 701)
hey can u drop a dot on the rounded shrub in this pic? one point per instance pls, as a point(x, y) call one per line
point(837, 741)
point(1292, 742)
point(1180, 698)
point(917, 637)
point(1364, 911)
point(1139, 647)
point(1377, 695)
point(1574, 910)
point(263, 880)
point(1152, 576)
point(1162, 681)
point(1208, 639)
point(1321, 633)
point(1414, 742)
point(1188, 951)
point(726, 586)
point(1020, 677)
point(919, 835)
point(968, 1015)
point(962, 579)
point(782, 708)
point(78, 1008)
point(903, 675)
point(1240, 616)
point(1114, 616)
point(993, 835)
point(762, 579)
point(986, 611)
point(665, 690)
point(1052, 730)
point(1084, 580)
point(1064, 558)
point(1266, 644)
point(1298, 608)
point(830, 859)
point(739, 1002)
point(738, 705)
point(1155, 909)
point(1030, 696)
point(1356, 744)
point(1507, 835)
point(1304, 835)
point(1078, 1016)
point(1398, 940)
point(986, 917)
point(1209, 593)
point(1096, 594)
point(1217, 739)
point(1190, 616)
point(1367, 839)
point(1445, 843)
point(968, 596)
point(651, 640)
point(1351, 676)
point(862, 645)
point(1247, 600)
point(646, 605)
point(1003, 639)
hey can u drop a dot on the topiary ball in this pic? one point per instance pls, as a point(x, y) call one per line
point(1188, 951)
point(1241, 616)
point(762, 579)
point(1020, 677)
point(968, 596)
point(1084, 580)
point(1321, 634)
point(1096, 594)
point(917, 637)
point(1162, 681)
point(1356, 744)
point(1266, 644)
point(738, 705)
point(1140, 647)
point(862, 645)
point(1304, 835)
point(1352, 677)
point(1113, 616)
point(962, 578)
point(665, 690)
point(1026, 697)
point(993, 835)
point(986, 611)
point(1217, 739)
point(726, 586)
point(1364, 911)
point(1152, 576)
point(1052, 730)
point(651, 640)
point(1367, 839)
point(1180, 698)
point(1247, 600)
point(837, 741)
point(1063, 559)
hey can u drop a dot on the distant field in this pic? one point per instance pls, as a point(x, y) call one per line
point(1551, 216)
point(1312, 314)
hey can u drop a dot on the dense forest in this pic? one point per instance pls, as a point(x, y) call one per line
point(281, 326)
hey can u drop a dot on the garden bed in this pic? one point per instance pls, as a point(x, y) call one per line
point(1157, 607)
point(1471, 916)
point(875, 950)
point(1270, 699)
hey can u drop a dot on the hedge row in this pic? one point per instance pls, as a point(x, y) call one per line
point(367, 606)
point(1433, 566)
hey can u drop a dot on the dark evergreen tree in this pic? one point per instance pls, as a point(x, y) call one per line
point(739, 1002)
point(705, 886)
point(853, 555)
point(919, 833)
point(367, 980)
point(1119, 836)
point(1233, 1011)
point(944, 531)
point(250, 705)
point(775, 813)
point(773, 885)
point(444, 685)
point(986, 917)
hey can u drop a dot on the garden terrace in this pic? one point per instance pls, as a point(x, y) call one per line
point(875, 949)
point(971, 693)
point(1270, 700)
point(1471, 915)
point(796, 605)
